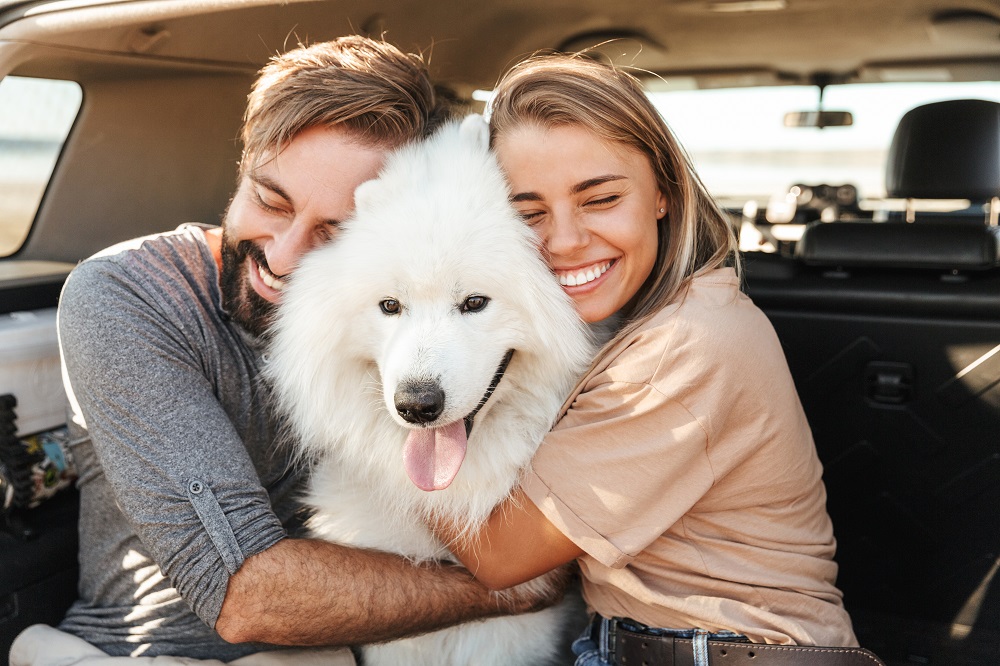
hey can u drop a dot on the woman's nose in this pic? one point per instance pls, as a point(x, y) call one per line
point(565, 235)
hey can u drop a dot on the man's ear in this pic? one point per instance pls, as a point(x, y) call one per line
point(475, 130)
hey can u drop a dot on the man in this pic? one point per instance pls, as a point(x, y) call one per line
point(186, 499)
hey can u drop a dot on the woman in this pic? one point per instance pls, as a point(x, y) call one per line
point(682, 474)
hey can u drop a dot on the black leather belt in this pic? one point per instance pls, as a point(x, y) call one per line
point(633, 648)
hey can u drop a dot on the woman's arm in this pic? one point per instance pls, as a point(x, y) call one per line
point(517, 543)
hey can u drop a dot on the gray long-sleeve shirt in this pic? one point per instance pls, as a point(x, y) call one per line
point(182, 477)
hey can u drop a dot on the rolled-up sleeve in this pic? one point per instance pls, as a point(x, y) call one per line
point(179, 470)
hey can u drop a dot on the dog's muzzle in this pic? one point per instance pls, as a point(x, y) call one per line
point(423, 402)
point(497, 376)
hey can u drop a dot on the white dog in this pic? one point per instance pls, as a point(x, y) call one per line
point(430, 317)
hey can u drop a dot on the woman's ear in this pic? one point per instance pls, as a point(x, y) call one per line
point(661, 205)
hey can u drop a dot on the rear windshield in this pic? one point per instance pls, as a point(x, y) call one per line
point(743, 151)
point(35, 118)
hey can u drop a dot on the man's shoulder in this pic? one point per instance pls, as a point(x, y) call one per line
point(187, 239)
point(181, 252)
point(164, 272)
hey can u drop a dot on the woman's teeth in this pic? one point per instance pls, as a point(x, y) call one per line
point(575, 279)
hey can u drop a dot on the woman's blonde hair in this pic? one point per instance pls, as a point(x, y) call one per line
point(379, 94)
point(695, 235)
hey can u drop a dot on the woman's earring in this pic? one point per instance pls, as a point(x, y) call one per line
point(663, 210)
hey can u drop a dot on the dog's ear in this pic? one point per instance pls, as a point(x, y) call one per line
point(475, 130)
point(364, 194)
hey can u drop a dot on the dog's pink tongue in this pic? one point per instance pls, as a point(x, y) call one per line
point(433, 456)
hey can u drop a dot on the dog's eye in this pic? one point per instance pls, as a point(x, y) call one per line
point(475, 303)
point(390, 306)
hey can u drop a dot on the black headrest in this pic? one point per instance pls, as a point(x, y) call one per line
point(946, 150)
point(900, 245)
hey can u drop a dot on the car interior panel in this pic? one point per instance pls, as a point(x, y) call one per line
point(890, 330)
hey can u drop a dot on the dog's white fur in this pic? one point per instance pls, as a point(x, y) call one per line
point(434, 228)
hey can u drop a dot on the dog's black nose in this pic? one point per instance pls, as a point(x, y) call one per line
point(419, 402)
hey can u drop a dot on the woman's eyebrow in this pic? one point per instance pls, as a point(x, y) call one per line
point(593, 182)
point(576, 189)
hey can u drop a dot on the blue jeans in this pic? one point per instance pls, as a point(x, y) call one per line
point(593, 647)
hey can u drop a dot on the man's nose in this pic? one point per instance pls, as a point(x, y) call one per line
point(288, 245)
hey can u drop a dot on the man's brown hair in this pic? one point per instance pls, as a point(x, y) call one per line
point(376, 92)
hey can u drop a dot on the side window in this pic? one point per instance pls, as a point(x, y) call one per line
point(35, 118)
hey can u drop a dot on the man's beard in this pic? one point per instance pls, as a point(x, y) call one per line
point(244, 305)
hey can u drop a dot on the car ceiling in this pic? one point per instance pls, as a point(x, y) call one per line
point(168, 78)
point(721, 42)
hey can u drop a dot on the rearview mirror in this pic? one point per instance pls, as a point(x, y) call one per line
point(819, 119)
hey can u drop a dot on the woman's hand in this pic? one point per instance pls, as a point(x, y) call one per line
point(538, 593)
point(516, 544)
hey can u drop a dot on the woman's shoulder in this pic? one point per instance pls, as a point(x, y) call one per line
point(705, 326)
point(708, 304)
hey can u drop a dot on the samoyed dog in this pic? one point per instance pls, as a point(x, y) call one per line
point(420, 357)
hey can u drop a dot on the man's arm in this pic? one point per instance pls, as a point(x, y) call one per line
point(305, 592)
point(144, 371)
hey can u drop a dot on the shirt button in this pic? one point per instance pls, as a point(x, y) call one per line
point(195, 487)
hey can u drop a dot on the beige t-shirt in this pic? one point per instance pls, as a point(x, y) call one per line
point(685, 469)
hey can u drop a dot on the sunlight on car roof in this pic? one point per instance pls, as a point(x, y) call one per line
point(743, 150)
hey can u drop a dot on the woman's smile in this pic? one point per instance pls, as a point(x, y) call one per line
point(583, 277)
